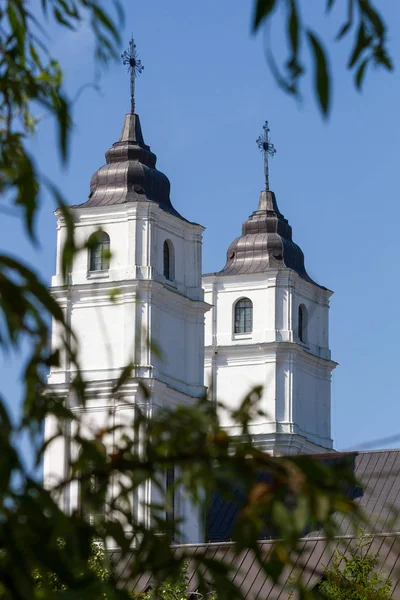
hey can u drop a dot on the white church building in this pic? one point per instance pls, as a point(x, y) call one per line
point(261, 320)
point(268, 325)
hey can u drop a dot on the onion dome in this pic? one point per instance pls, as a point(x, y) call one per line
point(130, 173)
point(266, 243)
point(266, 240)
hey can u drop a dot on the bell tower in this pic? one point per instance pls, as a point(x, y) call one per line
point(137, 287)
point(269, 326)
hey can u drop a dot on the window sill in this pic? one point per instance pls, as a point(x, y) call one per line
point(304, 344)
point(170, 283)
point(242, 336)
point(98, 274)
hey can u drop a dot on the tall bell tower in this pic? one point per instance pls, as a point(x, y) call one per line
point(269, 326)
point(139, 286)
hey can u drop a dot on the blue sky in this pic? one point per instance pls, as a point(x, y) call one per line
point(202, 99)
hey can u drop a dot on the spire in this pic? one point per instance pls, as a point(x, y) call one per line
point(130, 173)
point(266, 241)
point(135, 68)
point(268, 149)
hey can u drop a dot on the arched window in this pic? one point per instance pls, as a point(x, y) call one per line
point(168, 260)
point(302, 323)
point(99, 251)
point(243, 316)
point(93, 486)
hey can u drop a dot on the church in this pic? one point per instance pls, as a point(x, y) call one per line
point(137, 295)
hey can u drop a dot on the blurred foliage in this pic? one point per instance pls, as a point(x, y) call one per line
point(362, 21)
point(170, 589)
point(97, 564)
point(353, 575)
point(300, 491)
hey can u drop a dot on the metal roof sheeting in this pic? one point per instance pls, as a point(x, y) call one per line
point(266, 243)
point(379, 496)
point(247, 573)
point(130, 173)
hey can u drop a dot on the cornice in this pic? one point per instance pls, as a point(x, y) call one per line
point(128, 291)
point(123, 212)
point(274, 350)
point(102, 389)
point(270, 278)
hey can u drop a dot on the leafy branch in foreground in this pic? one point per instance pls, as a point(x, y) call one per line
point(295, 493)
point(354, 576)
point(31, 83)
point(370, 46)
point(298, 492)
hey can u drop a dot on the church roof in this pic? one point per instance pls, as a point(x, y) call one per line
point(248, 575)
point(266, 243)
point(130, 173)
point(378, 493)
point(378, 473)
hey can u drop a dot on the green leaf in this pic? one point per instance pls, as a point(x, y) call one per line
point(263, 9)
point(360, 74)
point(34, 286)
point(60, 18)
point(293, 29)
point(374, 18)
point(104, 19)
point(27, 185)
point(69, 249)
point(363, 42)
point(347, 25)
point(120, 11)
point(343, 30)
point(321, 75)
point(34, 55)
point(64, 125)
point(125, 375)
point(18, 27)
point(69, 9)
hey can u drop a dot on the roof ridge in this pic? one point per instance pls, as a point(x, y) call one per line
point(303, 539)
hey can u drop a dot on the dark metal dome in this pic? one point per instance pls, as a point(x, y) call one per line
point(266, 243)
point(130, 173)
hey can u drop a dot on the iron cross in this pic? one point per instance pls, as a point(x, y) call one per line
point(135, 67)
point(268, 149)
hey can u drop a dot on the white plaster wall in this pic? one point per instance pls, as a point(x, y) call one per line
point(137, 233)
point(114, 312)
point(311, 399)
point(100, 332)
point(236, 374)
point(295, 375)
point(172, 341)
point(118, 314)
point(223, 293)
point(54, 464)
point(241, 378)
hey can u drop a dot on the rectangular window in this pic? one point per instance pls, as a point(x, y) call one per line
point(170, 494)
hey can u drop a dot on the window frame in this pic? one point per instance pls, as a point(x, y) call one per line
point(247, 328)
point(98, 261)
point(168, 249)
point(94, 486)
point(302, 324)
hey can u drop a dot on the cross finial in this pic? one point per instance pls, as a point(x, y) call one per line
point(135, 67)
point(268, 149)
